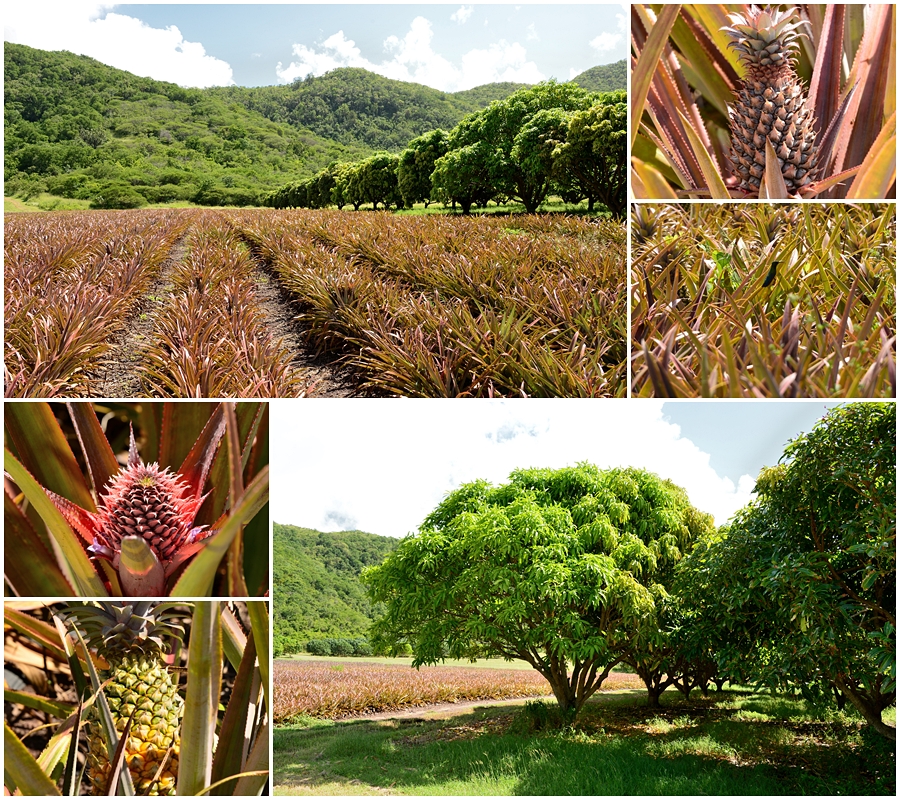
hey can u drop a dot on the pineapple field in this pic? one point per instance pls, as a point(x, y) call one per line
point(751, 301)
point(263, 303)
point(338, 689)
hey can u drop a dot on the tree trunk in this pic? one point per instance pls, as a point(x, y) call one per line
point(870, 710)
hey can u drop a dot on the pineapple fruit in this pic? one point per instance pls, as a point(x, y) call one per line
point(146, 506)
point(131, 638)
point(771, 104)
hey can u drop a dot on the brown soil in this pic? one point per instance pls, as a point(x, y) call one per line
point(118, 374)
point(323, 377)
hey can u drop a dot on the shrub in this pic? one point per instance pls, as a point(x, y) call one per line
point(319, 647)
point(117, 195)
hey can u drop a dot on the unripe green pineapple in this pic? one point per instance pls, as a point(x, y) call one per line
point(771, 103)
point(130, 636)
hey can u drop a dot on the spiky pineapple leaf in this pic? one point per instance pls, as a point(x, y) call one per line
point(24, 770)
point(233, 730)
point(202, 699)
point(642, 73)
point(879, 170)
point(30, 568)
point(186, 437)
point(101, 461)
point(259, 622)
point(84, 575)
point(41, 447)
point(256, 773)
point(197, 579)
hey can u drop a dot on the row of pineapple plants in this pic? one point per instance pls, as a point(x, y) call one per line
point(211, 337)
point(439, 307)
point(71, 284)
point(163, 698)
point(734, 300)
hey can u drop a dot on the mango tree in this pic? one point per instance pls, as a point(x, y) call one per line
point(592, 156)
point(799, 590)
point(562, 569)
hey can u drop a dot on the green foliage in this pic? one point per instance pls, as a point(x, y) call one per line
point(319, 594)
point(416, 165)
point(117, 194)
point(68, 115)
point(358, 646)
point(561, 568)
point(592, 159)
point(359, 109)
point(495, 129)
point(799, 590)
point(604, 78)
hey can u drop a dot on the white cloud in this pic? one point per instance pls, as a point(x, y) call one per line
point(385, 464)
point(119, 40)
point(461, 15)
point(607, 41)
point(414, 59)
point(531, 33)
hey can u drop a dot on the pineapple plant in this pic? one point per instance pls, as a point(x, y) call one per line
point(771, 104)
point(131, 637)
point(147, 513)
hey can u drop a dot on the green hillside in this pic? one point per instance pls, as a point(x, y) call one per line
point(74, 126)
point(605, 78)
point(77, 128)
point(317, 592)
point(356, 107)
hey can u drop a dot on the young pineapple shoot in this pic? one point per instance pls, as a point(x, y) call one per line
point(131, 637)
point(770, 105)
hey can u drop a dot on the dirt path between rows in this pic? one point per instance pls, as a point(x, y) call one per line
point(323, 376)
point(447, 710)
point(440, 710)
point(118, 367)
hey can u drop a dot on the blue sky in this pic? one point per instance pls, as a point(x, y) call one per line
point(450, 47)
point(382, 465)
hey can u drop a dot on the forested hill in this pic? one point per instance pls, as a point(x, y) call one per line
point(317, 589)
point(605, 78)
point(77, 128)
point(356, 107)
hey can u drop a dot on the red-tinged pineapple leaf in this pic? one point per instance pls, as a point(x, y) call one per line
point(81, 570)
point(101, 460)
point(648, 60)
point(41, 447)
point(29, 566)
point(825, 88)
point(182, 424)
point(83, 522)
point(878, 172)
point(198, 461)
point(869, 71)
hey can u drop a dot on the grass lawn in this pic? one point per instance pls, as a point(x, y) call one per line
point(735, 743)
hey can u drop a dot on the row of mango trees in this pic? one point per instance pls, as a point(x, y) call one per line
point(550, 139)
point(578, 570)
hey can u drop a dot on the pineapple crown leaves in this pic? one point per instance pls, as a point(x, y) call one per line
point(144, 525)
point(765, 37)
point(120, 629)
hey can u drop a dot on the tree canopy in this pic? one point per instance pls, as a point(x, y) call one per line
point(560, 568)
point(799, 590)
